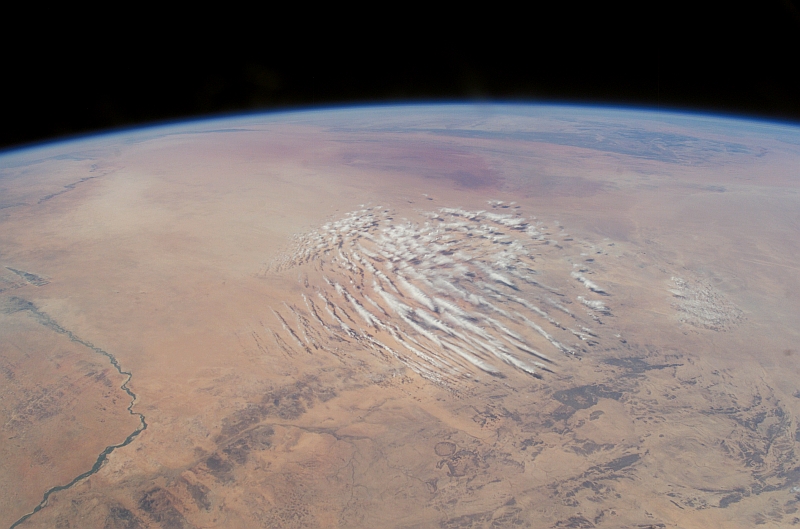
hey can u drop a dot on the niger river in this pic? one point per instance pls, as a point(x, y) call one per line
point(44, 319)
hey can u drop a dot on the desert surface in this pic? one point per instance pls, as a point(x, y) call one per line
point(410, 316)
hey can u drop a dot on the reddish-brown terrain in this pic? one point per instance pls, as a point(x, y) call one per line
point(412, 317)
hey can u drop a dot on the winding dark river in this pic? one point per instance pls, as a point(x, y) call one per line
point(20, 304)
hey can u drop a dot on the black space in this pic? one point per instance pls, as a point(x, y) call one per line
point(726, 58)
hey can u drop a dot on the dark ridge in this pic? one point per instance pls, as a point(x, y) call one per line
point(637, 365)
point(583, 397)
point(43, 318)
point(33, 279)
point(622, 462)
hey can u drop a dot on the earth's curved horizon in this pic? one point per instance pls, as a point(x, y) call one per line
point(404, 316)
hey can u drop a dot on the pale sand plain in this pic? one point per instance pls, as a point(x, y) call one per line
point(190, 258)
